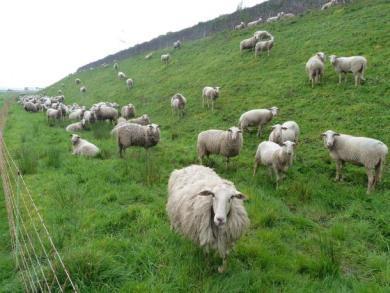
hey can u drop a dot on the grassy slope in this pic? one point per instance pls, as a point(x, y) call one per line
point(108, 215)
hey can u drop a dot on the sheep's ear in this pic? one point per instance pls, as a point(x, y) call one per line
point(240, 196)
point(337, 134)
point(229, 130)
point(206, 193)
point(284, 128)
point(323, 134)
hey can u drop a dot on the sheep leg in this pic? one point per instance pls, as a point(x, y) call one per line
point(222, 268)
point(371, 180)
point(255, 167)
point(120, 150)
point(212, 105)
point(339, 167)
point(378, 171)
point(259, 130)
point(227, 162)
point(340, 77)
point(356, 80)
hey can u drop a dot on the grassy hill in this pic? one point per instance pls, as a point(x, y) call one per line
point(107, 215)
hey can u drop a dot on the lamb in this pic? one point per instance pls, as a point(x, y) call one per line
point(89, 117)
point(177, 44)
point(363, 151)
point(116, 66)
point(132, 134)
point(264, 45)
point(258, 118)
point(178, 103)
point(277, 158)
point(77, 114)
point(105, 113)
point(355, 64)
point(220, 142)
point(206, 209)
point(240, 26)
point(83, 89)
point(254, 23)
point(53, 114)
point(329, 4)
point(121, 75)
point(74, 127)
point(77, 81)
point(315, 67)
point(165, 58)
point(210, 93)
point(82, 147)
point(128, 111)
point(287, 131)
point(142, 120)
point(129, 83)
point(248, 44)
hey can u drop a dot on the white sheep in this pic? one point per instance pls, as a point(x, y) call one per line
point(287, 131)
point(329, 4)
point(264, 45)
point(83, 89)
point(121, 75)
point(248, 44)
point(77, 81)
point(206, 209)
point(258, 118)
point(165, 58)
point(128, 111)
point(240, 26)
point(30, 107)
point(177, 44)
point(77, 126)
point(262, 35)
point(148, 56)
point(254, 23)
point(370, 153)
point(142, 120)
point(131, 134)
point(129, 83)
point(178, 103)
point(277, 158)
point(103, 113)
point(227, 143)
point(315, 67)
point(82, 147)
point(210, 93)
point(77, 114)
point(355, 64)
point(89, 117)
point(53, 114)
point(272, 19)
point(287, 15)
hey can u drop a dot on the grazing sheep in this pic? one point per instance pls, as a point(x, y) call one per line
point(82, 147)
point(89, 117)
point(206, 209)
point(132, 134)
point(254, 23)
point(264, 45)
point(363, 151)
point(240, 26)
point(148, 56)
point(83, 89)
point(77, 81)
point(116, 66)
point(315, 67)
point(142, 120)
point(77, 114)
point(105, 113)
point(30, 107)
point(248, 44)
point(121, 75)
point(53, 114)
point(272, 19)
point(128, 111)
point(355, 64)
point(287, 131)
point(275, 157)
point(262, 35)
point(220, 142)
point(178, 103)
point(129, 83)
point(74, 127)
point(165, 58)
point(177, 44)
point(287, 15)
point(210, 93)
point(329, 4)
point(258, 118)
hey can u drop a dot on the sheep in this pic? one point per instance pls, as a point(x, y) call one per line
point(355, 64)
point(105, 113)
point(74, 127)
point(248, 44)
point(206, 209)
point(220, 142)
point(77, 81)
point(257, 117)
point(116, 66)
point(240, 26)
point(77, 114)
point(329, 4)
point(142, 120)
point(53, 114)
point(315, 67)
point(254, 23)
point(132, 134)
point(121, 75)
point(165, 58)
point(128, 111)
point(148, 56)
point(178, 103)
point(129, 83)
point(277, 158)
point(287, 131)
point(120, 122)
point(82, 147)
point(210, 93)
point(89, 117)
point(83, 89)
point(363, 151)
point(287, 15)
point(262, 35)
point(177, 44)
point(272, 19)
point(30, 107)
point(264, 45)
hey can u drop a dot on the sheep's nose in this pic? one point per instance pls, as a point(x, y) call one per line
point(220, 221)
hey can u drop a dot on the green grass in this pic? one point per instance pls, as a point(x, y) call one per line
point(107, 215)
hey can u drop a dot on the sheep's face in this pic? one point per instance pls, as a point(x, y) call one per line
point(329, 138)
point(274, 111)
point(321, 55)
point(217, 88)
point(222, 200)
point(75, 138)
point(234, 132)
point(277, 131)
point(153, 129)
point(288, 147)
point(332, 59)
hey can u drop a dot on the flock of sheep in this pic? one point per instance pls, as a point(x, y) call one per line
point(201, 205)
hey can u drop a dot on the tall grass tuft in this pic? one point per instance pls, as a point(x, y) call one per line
point(27, 159)
point(53, 157)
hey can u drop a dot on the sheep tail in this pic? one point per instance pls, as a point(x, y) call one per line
point(362, 70)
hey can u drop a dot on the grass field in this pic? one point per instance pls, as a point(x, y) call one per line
point(107, 215)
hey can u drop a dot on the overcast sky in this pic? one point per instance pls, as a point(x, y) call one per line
point(44, 40)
